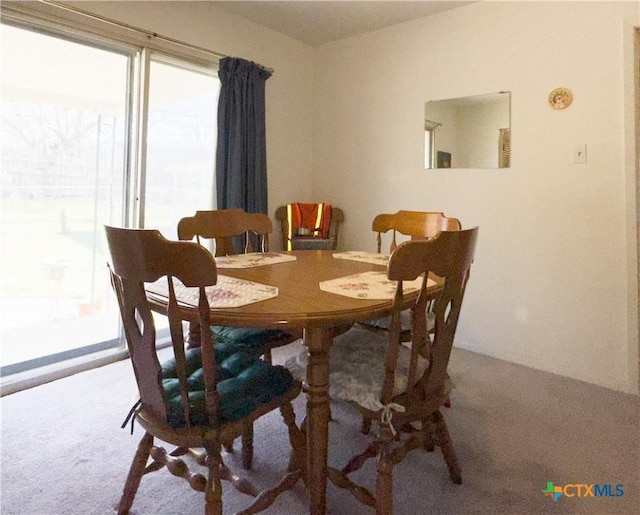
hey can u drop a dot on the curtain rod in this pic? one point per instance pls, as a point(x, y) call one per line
point(147, 33)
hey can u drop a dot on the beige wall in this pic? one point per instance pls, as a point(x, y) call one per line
point(552, 280)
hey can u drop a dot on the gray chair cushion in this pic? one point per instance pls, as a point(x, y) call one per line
point(357, 366)
point(311, 244)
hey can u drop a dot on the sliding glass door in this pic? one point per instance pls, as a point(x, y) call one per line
point(181, 143)
point(64, 138)
point(73, 159)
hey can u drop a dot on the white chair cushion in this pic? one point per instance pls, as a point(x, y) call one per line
point(357, 366)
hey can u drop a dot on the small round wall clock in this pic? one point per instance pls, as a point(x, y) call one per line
point(560, 98)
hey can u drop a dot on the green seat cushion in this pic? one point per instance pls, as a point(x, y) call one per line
point(244, 384)
point(248, 339)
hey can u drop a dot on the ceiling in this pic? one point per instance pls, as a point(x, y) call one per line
point(321, 21)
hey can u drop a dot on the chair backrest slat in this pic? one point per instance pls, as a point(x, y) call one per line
point(177, 340)
point(449, 255)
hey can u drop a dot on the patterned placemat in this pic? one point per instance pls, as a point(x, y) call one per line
point(252, 259)
point(370, 285)
point(367, 257)
point(228, 293)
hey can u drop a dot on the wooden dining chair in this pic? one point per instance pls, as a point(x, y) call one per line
point(200, 398)
point(308, 232)
point(403, 388)
point(231, 231)
point(413, 225)
point(417, 225)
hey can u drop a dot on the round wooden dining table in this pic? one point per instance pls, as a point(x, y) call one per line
point(301, 304)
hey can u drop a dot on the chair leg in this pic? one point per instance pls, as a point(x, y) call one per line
point(135, 474)
point(297, 440)
point(427, 430)
point(295, 470)
point(247, 447)
point(213, 488)
point(384, 483)
point(446, 445)
point(365, 425)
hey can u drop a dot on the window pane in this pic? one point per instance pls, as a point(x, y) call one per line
point(181, 139)
point(63, 141)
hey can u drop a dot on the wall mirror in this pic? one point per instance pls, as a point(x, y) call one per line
point(468, 132)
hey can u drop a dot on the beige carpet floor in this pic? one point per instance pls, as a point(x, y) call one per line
point(514, 429)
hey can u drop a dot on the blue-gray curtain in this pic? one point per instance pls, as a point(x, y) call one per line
point(241, 159)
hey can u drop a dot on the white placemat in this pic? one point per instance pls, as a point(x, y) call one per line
point(370, 285)
point(252, 259)
point(367, 257)
point(228, 293)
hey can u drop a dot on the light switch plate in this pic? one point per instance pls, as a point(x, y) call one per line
point(580, 154)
